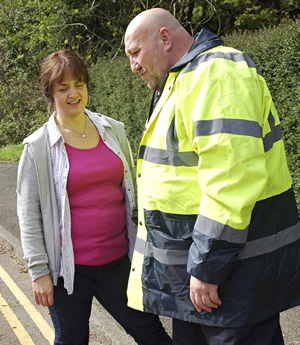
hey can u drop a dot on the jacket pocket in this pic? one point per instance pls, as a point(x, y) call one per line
point(169, 231)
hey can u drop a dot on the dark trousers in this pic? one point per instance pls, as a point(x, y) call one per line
point(108, 283)
point(264, 333)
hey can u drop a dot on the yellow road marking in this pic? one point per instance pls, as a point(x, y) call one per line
point(36, 317)
point(14, 323)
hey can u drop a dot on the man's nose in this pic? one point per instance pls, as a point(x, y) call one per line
point(134, 65)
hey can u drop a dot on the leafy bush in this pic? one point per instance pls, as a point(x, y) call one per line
point(22, 110)
point(117, 92)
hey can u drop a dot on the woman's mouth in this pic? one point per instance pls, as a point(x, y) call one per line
point(74, 102)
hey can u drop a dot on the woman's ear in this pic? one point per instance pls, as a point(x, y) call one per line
point(166, 38)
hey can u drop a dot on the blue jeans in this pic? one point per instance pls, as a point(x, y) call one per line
point(267, 332)
point(108, 283)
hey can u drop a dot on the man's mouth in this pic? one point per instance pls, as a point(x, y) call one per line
point(143, 75)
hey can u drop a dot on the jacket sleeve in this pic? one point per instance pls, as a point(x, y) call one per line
point(227, 118)
point(30, 218)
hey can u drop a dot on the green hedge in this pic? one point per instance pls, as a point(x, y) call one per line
point(116, 92)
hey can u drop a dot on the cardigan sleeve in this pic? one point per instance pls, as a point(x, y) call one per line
point(30, 217)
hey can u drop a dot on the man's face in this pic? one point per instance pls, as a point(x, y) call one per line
point(147, 57)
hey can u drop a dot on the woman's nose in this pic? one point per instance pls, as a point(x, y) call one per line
point(72, 92)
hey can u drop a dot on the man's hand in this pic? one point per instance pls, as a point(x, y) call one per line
point(43, 291)
point(204, 296)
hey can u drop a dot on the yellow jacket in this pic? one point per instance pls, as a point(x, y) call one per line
point(215, 196)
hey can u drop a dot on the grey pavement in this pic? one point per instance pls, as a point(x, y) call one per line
point(107, 331)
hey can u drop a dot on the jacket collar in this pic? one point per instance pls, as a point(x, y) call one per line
point(203, 41)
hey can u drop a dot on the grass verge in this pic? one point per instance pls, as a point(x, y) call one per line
point(11, 153)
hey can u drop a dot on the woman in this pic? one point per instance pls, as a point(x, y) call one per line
point(75, 202)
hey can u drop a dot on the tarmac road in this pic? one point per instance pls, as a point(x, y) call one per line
point(106, 328)
point(8, 198)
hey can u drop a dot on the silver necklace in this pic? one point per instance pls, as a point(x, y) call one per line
point(83, 134)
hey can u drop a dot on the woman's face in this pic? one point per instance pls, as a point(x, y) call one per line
point(70, 95)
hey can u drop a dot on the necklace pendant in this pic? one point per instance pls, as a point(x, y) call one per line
point(83, 135)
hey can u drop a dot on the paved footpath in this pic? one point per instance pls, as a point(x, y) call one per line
point(104, 330)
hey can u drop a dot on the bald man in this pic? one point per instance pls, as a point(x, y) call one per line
point(218, 235)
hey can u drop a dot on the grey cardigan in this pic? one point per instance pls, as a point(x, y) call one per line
point(37, 200)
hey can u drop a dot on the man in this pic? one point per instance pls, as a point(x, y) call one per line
point(218, 234)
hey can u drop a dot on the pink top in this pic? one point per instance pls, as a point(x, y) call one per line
point(98, 219)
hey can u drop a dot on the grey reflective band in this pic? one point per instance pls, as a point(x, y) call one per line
point(254, 248)
point(271, 120)
point(273, 136)
point(230, 126)
point(172, 139)
point(140, 245)
point(239, 127)
point(233, 56)
point(164, 256)
point(219, 231)
point(164, 157)
point(270, 243)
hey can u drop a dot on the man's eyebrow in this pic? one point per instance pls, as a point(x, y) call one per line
point(128, 51)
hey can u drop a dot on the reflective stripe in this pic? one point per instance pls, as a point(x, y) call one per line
point(233, 56)
point(271, 243)
point(274, 135)
point(254, 248)
point(171, 156)
point(205, 128)
point(164, 157)
point(231, 126)
point(164, 256)
point(140, 245)
point(172, 139)
point(240, 127)
point(219, 231)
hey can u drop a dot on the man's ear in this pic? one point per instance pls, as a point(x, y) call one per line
point(166, 38)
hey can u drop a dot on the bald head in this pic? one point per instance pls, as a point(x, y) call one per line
point(153, 19)
point(155, 41)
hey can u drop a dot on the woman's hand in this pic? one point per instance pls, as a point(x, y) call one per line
point(204, 296)
point(43, 291)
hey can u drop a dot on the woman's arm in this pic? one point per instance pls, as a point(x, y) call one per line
point(30, 217)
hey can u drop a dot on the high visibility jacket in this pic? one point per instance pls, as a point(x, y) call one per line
point(215, 196)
